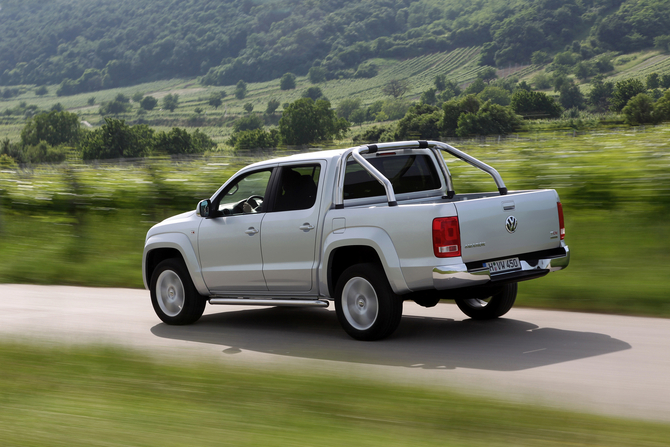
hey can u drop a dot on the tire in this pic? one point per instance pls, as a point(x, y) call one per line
point(366, 306)
point(173, 295)
point(493, 307)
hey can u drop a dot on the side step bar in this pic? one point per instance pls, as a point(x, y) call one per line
point(269, 302)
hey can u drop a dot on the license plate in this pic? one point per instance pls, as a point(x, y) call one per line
point(504, 265)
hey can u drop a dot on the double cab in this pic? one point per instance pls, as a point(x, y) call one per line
point(366, 227)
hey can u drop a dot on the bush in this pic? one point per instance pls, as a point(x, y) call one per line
point(255, 139)
point(535, 105)
point(171, 102)
point(624, 91)
point(422, 121)
point(148, 103)
point(494, 94)
point(116, 139)
point(366, 70)
point(347, 106)
point(490, 119)
point(287, 81)
point(305, 121)
point(54, 128)
point(639, 110)
point(249, 122)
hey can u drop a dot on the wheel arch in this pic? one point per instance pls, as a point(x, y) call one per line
point(361, 245)
point(172, 245)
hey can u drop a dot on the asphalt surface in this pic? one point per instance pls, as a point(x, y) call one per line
point(602, 364)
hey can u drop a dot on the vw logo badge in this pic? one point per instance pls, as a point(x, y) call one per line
point(510, 224)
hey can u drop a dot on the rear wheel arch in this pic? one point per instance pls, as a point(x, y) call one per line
point(342, 258)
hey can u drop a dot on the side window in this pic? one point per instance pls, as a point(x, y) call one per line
point(407, 173)
point(246, 195)
point(297, 187)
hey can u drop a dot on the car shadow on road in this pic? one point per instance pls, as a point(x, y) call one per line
point(420, 342)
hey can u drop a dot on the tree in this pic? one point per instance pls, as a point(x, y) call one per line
point(571, 96)
point(148, 103)
point(41, 90)
point(653, 81)
point(422, 122)
point(534, 105)
point(314, 93)
point(366, 70)
point(624, 91)
point(122, 98)
point(176, 141)
point(357, 116)
point(662, 42)
point(287, 81)
point(490, 119)
point(440, 82)
point(240, 89)
point(305, 121)
point(601, 92)
point(662, 108)
point(273, 105)
point(171, 101)
point(494, 94)
point(316, 75)
point(487, 74)
point(639, 110)
point(429, 97)
point(91, 101)
point(249, 122)
point(249, 107)
point(347, 106)
point(137, 97)
point(396, 88)
point(477, 86)
point(55, 128)
point(113, 108)
point(116, 139)
point(255, 139)
point(453, 109)
point(215, 99)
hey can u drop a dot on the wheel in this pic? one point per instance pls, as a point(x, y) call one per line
point(366, 306)
point(173, 295)
point(495, 306)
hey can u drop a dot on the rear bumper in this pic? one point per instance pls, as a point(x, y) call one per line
point(533, 265)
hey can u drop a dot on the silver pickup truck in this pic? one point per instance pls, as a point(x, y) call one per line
point(367, 227)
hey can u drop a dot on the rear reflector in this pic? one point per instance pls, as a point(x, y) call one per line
point(561, 223)
point(446, 237)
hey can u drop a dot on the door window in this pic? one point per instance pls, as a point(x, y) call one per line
point(246, 195)
point(297, 187)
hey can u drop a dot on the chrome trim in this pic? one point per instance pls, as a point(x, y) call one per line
point(458, 275)
point(269, 302)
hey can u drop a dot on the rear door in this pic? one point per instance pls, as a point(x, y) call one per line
point(289, 230)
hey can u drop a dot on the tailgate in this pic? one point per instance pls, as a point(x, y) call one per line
point(503, 226)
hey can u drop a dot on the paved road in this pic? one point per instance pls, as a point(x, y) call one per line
point(598, 363)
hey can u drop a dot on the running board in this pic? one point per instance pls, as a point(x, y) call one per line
point(269, 302)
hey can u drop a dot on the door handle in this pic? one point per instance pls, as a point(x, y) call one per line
point(251, 231)
point(306, 226)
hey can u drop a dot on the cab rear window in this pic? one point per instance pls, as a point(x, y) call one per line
point(407, 173)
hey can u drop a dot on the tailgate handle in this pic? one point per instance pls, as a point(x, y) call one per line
point(508, 206)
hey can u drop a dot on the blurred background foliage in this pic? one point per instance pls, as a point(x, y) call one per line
point(84, 223)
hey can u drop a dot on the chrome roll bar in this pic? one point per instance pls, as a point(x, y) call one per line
point(434, 146)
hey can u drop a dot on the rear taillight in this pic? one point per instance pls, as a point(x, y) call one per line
point(561, 223)
point(446, 237)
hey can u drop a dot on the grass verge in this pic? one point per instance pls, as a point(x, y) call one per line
point(97, 396)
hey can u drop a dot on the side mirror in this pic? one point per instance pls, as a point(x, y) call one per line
point(204, 208)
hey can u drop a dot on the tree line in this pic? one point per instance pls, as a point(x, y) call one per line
point(86, 46)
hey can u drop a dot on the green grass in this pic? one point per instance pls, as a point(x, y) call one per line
point(97, 396)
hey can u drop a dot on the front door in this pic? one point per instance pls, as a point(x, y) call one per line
point(230, 245)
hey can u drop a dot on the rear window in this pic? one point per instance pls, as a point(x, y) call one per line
point(407, 173)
